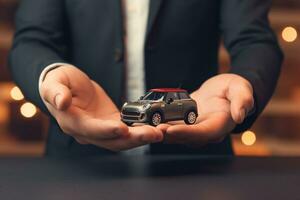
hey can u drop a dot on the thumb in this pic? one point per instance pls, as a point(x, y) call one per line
point(240, 95)
point(56, 93)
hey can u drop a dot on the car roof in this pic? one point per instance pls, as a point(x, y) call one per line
point(167, 90)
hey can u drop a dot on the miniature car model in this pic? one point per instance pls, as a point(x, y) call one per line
point(161, 105)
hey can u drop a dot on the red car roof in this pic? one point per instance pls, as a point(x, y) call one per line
point(167, 90)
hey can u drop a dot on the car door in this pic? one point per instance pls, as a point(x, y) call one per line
point(173, 108)
point(185, 100)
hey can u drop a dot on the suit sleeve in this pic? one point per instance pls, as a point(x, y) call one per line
point(253, 48)
point(38, 42)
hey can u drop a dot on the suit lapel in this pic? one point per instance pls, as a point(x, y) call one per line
point(153, 11)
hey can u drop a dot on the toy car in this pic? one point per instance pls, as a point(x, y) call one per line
point(161, 105)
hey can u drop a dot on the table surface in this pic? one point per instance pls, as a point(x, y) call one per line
point(150, 177)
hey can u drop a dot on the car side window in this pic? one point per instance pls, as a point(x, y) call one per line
point(183, 95)
point(172, 95)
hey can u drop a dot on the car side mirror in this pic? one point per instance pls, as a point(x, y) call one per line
point(170, 100)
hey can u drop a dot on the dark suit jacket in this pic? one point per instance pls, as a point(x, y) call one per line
point(183, 38)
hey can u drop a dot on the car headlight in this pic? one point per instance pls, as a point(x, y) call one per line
point(125, 104)
point(147, 106)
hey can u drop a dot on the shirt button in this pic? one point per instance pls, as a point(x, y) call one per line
point(118, 55)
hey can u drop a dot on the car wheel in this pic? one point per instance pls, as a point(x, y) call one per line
point(155, 119)
point(190, 117)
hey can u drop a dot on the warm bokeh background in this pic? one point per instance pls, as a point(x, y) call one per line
point(277, 132)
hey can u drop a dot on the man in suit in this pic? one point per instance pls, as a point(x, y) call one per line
point(79, 60)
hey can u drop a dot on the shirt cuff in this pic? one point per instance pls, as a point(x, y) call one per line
point(46, 70)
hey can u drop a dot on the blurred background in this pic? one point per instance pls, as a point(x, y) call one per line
point(23, 128)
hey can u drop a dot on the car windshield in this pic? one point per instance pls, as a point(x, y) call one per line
point(154, 96)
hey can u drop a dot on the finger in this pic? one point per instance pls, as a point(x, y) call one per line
point(214, 127)
point(241, 101)
point(163, 127)
point(56, 93)
point(81, 141)
point(144, 134)
point(138, 136)
point(96, 129)
point(75, 124)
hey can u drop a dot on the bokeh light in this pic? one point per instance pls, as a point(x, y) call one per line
point(289, 34)
point(16, 94)
point(28, 110)
point(248, 138)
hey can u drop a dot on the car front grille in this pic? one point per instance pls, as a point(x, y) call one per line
point(131, 113)
point(130, 117)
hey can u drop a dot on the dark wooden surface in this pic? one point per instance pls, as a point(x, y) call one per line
point(146, 177)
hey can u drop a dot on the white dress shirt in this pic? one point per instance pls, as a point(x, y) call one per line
point(136, 17)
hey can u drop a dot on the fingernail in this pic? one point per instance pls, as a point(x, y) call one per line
point(242, 115)
point(57, 100)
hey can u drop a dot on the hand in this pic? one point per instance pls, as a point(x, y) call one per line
point(223, 101)
point(84, 111)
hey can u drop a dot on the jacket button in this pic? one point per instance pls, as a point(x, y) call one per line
point(118, 55)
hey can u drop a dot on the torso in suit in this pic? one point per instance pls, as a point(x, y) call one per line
point(181, 48)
